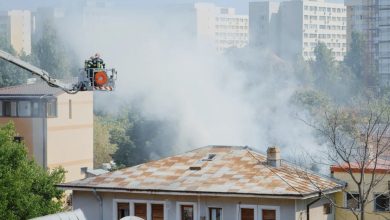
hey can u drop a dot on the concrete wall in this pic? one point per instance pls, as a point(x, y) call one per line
point(286, 208)
point(20, 23)
point(340, 198)
point(70, 134)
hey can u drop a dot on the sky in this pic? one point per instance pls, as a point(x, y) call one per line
point(240, 5)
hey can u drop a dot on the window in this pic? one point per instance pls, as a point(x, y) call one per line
point(24, 108)
point(157, 212)
point(187, 212)
point(35, 109)
point(247, 214)
point(51, 108)
point(327, 208)
point(269, 214)
point(215, 214)
point(140, 210)
point(382, 202)
point(123, 210)
point(13, 109)
point(7, 108)
point(352, 200)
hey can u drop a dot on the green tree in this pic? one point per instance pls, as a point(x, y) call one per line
point(51, 53)
point(26, 189)
point(103, 148)
point(10, 74)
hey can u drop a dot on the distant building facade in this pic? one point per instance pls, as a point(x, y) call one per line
point(214, 183)
point(20, 30)
point(56, 127)
point(221, 27)
point(371, 18)
point(299, 25)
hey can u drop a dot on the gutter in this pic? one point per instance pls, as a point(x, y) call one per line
point(310, 204)
point(196, 193)
point(99, 199)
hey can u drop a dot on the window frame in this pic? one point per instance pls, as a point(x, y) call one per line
point(213, 207)
point(376, 195)
point(254, 207)
point(178, 209)
point(267, 207)
point(346, 198)
point(131, 206)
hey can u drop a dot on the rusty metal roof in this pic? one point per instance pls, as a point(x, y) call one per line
point(233, 171)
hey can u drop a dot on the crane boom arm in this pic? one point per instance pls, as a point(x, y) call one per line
point(35, 70)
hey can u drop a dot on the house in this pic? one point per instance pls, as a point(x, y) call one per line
point(56, 127)
point(379, 206)
point(213, 182)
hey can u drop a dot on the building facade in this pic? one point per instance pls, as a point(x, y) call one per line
point(214, 183)
point(221, 27)
point(301, 25)
point(379, 205)
point(56, 127)
point(20, 30)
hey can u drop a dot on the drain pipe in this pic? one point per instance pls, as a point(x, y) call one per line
point(99, 199)
point(311, 203)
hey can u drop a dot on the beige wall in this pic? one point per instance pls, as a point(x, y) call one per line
point(370, 209)
point(70, 137)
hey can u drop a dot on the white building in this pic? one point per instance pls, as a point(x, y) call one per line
point(20, 30)
point(221, 27)
point(300, 25)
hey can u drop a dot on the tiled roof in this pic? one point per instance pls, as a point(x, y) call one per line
point(35, 89)
point(233, 171)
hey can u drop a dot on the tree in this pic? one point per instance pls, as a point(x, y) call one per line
point(103, 148)
point(51, 54)
point(354, 58)
point(358, 143)
point(10, 74)
point(26, 189)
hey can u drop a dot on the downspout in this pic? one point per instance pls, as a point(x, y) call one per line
point(44, 131)
point(99, 199)
point(311, 203)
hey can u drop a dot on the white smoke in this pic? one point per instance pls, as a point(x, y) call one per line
point(213, 100)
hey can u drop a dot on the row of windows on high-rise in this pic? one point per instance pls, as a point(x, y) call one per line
point(324, 9)
point(325, 27)
point(329, 45)
point(335, 54)
point(235, 35)
point(242, 20)
point(325, 36)
point(232, 27)
point(324, 18)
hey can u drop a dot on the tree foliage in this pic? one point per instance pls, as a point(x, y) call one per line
point(26, 189)
point(103, 148)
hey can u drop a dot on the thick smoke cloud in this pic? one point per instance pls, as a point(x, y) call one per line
point(242, 98)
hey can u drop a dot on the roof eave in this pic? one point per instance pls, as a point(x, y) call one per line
point(197, 193)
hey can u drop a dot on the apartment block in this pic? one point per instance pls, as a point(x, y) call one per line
point(56, 127)
point(221, 27)
point(20, 30)
point(299, 26)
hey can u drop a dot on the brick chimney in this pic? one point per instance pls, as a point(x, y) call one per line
point(273, 156)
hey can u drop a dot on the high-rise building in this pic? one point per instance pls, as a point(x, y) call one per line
point(299, 26)
point(20, 30)
point(371, 18)
point(263, 17)
point(5, 27)
point(221, 27)
point(361, 18)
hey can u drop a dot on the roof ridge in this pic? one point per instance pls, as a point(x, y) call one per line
point(276, 174)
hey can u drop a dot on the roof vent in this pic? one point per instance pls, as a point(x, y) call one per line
point(209, 157)
point(273, 156)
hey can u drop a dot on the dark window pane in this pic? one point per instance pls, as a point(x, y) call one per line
point(187, 212)
point(7, 108)
point(353, 200)
point(247, 214)
point(327, 208)
point(382, 203)
point(215, 213)
point(123, 210)
point(51, 108)
point(157, 212)
point(24, 108)
point(140, 210)
point(269, 214)
point(35, 109)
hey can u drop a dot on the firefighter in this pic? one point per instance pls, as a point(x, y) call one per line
point(98, 62)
